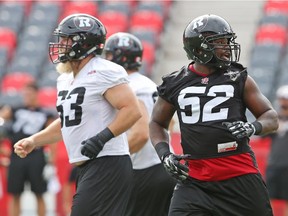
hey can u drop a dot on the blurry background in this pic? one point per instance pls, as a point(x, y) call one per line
point(26, 28)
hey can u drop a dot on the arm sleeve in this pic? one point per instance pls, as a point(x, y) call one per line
point(111, 78)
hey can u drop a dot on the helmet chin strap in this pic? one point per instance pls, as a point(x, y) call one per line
point(63, 58)
point(87, 53)
point(72, 54)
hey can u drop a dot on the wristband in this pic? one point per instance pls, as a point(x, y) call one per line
point(258, 127)
point(162, 149)
point(105, 135)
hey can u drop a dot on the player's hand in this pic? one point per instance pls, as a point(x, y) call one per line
point(91, 147)
point(23, 147)
point(175, 168)
point(240, 129)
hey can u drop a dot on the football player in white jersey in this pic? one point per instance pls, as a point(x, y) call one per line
point(153, 187)
point(96, 106)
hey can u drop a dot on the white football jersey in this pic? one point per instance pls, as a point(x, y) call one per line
point(145, 90)
point(84, 111)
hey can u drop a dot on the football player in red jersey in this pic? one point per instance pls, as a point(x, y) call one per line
point(210, 96)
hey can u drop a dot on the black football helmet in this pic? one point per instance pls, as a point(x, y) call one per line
point(199, 41)
point(87, 33)
point(126, 50)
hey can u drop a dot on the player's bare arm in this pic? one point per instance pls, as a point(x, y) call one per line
point(138, 134)
point(6, 112)
point(50, 134)
point(160, 119)
point(260, 107)
point(123, 99)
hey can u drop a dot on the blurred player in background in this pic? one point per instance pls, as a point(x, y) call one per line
point(24, 121)
point(69, 189)
point(277, 166)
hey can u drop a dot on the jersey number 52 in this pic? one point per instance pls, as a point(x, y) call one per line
point(186, 98)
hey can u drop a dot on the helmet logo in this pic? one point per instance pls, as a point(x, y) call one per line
point(123, 42)
point(200, 23)
point(83, 23)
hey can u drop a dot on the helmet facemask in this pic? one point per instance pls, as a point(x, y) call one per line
point(229, 48)
point(210, 40)
point(208, 53)
point(80, 48)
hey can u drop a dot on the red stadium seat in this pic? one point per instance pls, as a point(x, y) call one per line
point(276, 7)
point(8, 39)
point(47, 96)
point(271, 33)
point(108, 18)
point(88, 7)
point(15, 81)
point(148, 52)
point(147, 19)
point(148, 57)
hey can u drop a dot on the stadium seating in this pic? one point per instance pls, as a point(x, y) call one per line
point(14, 82)
point(12, 14)
point(108, 19)
point(283, 71)
point(3, 60)
point(47, 97)
point(146, 35)
point(129, 4)
point(148, 55)
point(32, 28)
point(88, 7)
point(11, 98)
point(268, 58)
point(274, 18)
point(271, 32)
point(272, 6)
point(48, 79)
point(156, 6)
point(119, 6)
point(147, 19)
point(8, 40)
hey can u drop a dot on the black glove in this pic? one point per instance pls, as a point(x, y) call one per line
point(92, 146)
point(242, 129)
point(171, 162)
point(175, 168)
